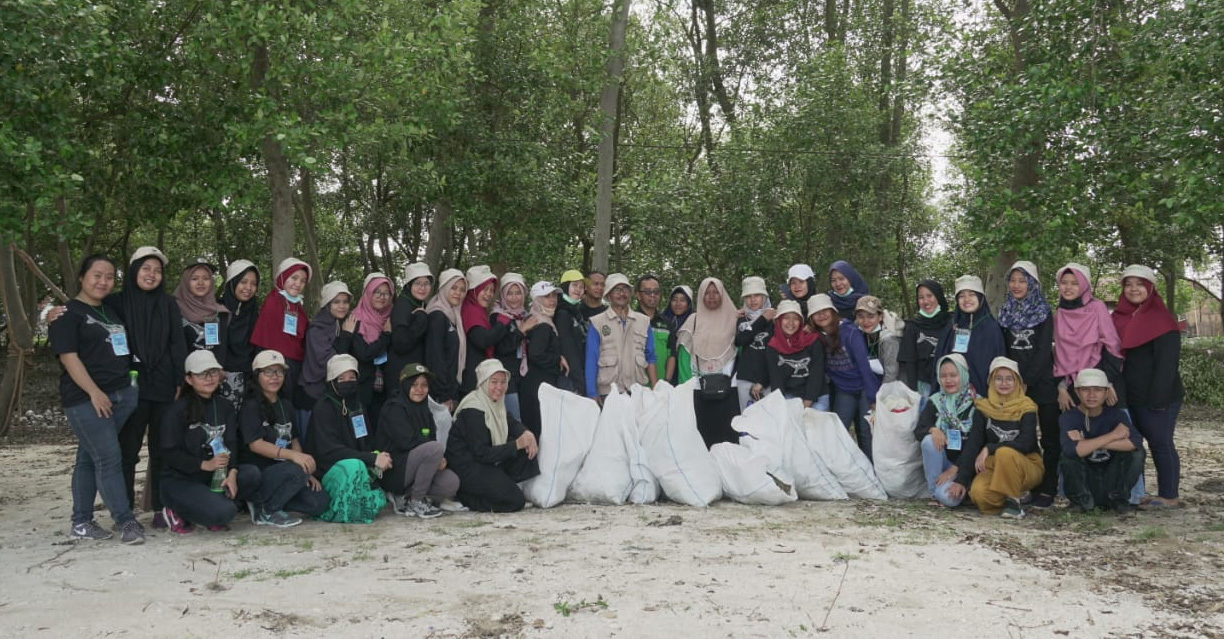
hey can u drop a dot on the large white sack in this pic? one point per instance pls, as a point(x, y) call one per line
point(897, 456)
point(746, 478)
point(604, 477)
point(675, 451)
point(645, 489)
point(567, 426)
point(442, 420)
point(827, 439)
point(775, 431)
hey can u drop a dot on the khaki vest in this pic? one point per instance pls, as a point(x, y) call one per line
point(622, 350)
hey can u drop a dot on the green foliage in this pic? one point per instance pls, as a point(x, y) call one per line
point(1202, 371)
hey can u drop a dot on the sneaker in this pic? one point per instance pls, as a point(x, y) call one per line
point(176, 523)
point(423, 509)
point(277, 518)
point(133, 533)
point(399, 503)
point(1012, 509)
point(159, 522)
point(90, 530)
point(1026, 498)
point(221, 528)
point(1042, 502)
point(452, 506)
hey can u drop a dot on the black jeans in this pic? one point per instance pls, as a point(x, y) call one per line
point(283, 486)
point(487, 488)
point(194, 502)
point(1051, 446)
point(1107, 484)
point(1157, 427)
point(146, 418)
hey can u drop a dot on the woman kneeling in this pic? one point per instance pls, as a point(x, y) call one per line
point(408, 432)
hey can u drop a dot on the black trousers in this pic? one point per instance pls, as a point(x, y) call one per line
point(486, 488)
point(194, 502)
point(147, 418)
point(1051, 446)
point(283, 486)
point(1106, 484)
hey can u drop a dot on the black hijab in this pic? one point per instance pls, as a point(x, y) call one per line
point(146, 315)
point(242, 316)
point(940, 320)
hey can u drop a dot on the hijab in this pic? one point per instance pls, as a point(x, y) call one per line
point(950, 406)
point(474, 314)
point(676, 321)
point(858, 288)
point(479, 399)
point(400, 415)
point(242, 316)
point(790, 344)
point(146, 315)
point(1005, 408)
point(506, 313)
point(751, 316)
point(1138, 325)
point(1032, 310)
point(269, 333)
point(439, 303)
point(709, 334)
point(939, 320)
point(985, 340)
point(1081, 327)
point(544, 315)
point(203, 308)
point(369, 321)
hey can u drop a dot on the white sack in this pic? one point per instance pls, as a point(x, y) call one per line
point(604, 477)
point(675, 451)
point(567, 427)
point(775, 431)
point(827, 439)
point(746, 479)
point(895, 452)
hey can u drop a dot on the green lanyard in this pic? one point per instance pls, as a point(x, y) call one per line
point(101, 313)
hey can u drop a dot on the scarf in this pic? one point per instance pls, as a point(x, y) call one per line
point(269, 333)
point(939, 320)
point(319, 349)
point(369, 321)
point(858, 288)
point(790, 344)
point(751, 316)
point(674, 322)
point(1005, 408)
point(1080, 329)
point(242, 317)
point(197, 310)
point(1137, 325)
point(948, 407)
point(544, 315)
point(474, 314)
point(505, 313)
point(494, 412)
point(440, 304)
point(146, 316)
point(1016, 314)
point(709, 334)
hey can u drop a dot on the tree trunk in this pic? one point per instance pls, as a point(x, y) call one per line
point(439, 235)
point(20, 342)
point(277, 165)
point(67, 266)
point(607, 132)
point(314, 288)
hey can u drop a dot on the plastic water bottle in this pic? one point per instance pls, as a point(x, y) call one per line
point(219, 475)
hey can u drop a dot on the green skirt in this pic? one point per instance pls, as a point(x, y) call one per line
point(354, 498)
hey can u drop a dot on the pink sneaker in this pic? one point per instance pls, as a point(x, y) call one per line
point(176, 523)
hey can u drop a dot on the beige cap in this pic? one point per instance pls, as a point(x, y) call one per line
point(870, 304)
point(376, 275)
point(1140, 271)
point(331, 290)
point(1092, 377)
point(478, 275)
point(340, 363)
point(1077, 267)
point(149, 251)
point(200, 361)
point(969, 283)
point(753, 285)
point(415, 270)
point(614, 280)
point(268, 358)
point(1027, 267)
point(487, 369)
point(1005, 362)
point(819, 302)
point(238, 267)
point(788, 306)
point(290, 262)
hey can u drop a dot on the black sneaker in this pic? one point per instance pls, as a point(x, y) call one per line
point(1042, 502)
point(133, 533)
point(1012, 509)
point(423, 509)
point(278, 518)
point(90, 530)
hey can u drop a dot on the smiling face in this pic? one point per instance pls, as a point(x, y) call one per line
point(485, 296)
point(454, 294)
point(1017, 284)
point(839, 283)
point(968, 301)
point(98, 281)
point(271, 379)
point(619, 296)
point(513, 297)
point(679, 303)
point(199, 281)
point(149, 276)
point(825, 318)
point(419, 389)
point(949, 378)
point(296, 283)
point(1069, 286)
point(420, 289)
point(206, 383)
point(1091, 397)
point(340, 305)
point(712, 298)
point(798, 288)
point(497, 384)
point(1004, 381)
point(381, 297)
point(1135, 289)
point(246, 286)
point(790, 323)
point(867, 320)
point(927, 300)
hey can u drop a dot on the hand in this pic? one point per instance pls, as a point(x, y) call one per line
point(1121, 432)
point(314, 483)
point(305, 461)
point(564, 366)
point(980, 463)
point(383, 461)
point(946, 476)
point(101, 403)
point(528, 324)
point(350, 323)
point(442, 464)
point(1064, 400)
point(229, 486)
point(740, 313)
point(178, 390)
point(956, 491)
point(939, 439)
point(387, 325)
point(527, 442)
point(1075, 435)
point(756, 391)
point(1111, 396)
point(218, 461)
point(807, 403)
point(55, 313)
point(769, 314)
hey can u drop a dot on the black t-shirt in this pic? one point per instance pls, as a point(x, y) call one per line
point(96, 335)
point(275, 424)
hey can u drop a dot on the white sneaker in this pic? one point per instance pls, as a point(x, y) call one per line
point(452, 506)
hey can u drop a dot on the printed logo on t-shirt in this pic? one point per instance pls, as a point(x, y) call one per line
point(799, 367)
point(929, 340)
point(1022, 340)
point(1002, 435)
point(758, 341)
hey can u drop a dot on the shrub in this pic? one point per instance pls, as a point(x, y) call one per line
point(1202, 371)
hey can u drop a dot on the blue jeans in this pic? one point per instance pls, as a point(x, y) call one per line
point(934, 462)
point(852, 408)
point(512, 407)
point(99, 462)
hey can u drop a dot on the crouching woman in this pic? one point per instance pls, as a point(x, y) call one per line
point(1003, 443)
point(408, 432)
point(1102, 452)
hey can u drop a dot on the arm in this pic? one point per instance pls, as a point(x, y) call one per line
point(592, 362)
point(470, 425)
point(856, 346)
point(926, 421)
point(652, 370)
point(367, 351)
point(482, 338)
point(178, 345)
point(973, 445)
point(817, 385)
point(346, 343)
point(173, 443)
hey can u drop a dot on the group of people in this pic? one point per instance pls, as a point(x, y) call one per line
point(330, 416)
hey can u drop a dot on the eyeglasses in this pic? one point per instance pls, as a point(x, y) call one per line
point(272, 372)
point(650, 291)
point(212, 372)
point(381, 293)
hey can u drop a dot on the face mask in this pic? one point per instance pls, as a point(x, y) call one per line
point(848, 292)
point(292, 298)
point(569, 299)
point(345, 390)
point(928, 315)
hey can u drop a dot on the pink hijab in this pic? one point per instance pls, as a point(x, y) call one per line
point(1080, 332)
point(370, 321)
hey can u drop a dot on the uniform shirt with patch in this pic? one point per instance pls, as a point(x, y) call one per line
point(87, 331)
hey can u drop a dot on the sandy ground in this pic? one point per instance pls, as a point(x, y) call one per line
point(850, 569)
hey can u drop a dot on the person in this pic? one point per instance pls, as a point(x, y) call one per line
point(490, 452)
point(409, 321)
point(238, 296)
point(418, 465)
point(98, 397)
point(281, 324)
point(619, 345)
point(343, 448)
point(1102, 452)
point(752, 333)
point(330, 333)
point(542, 359)
point(846, 288)
point(943, 431)
point(510, 311)
point(572, 328)
point(201, 478)
point(795, 358)
point(592, 298)
point(1084, 337)
point(800, 285)
point(1151, 343)
point(271, 450)
point(371, 341)
point(648, 293)
point(854, 386)
point(706, 347)
point(1028, 335)
point(973, 331)
point(1003, 443)
point(446, 340)
point(205, 320)
point(482, 335)
point(882, 342)
point(679, 308)
point(920, 339)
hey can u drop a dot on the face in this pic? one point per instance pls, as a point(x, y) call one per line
point(1069, 287)
point(1004, 381)
point(968, 301)
point(679, 303)
point(485, 296)
point(419, 389)
point(200, 280)
point(271, 378)
point(99, 280)
point(1017, 284)
point(296, 283)
point(206, 383)
point(420, 288)
point(597, 286)
point(790, 323)
point(1135, 290)
point(381, 297)
point(497, 385)
point(245, 289)
point(927, 300)
point(513, 297)
point(798, 287)
point(1091, 397)
point(754, 302)
point(867, 321)
point(839, 282)
point(619, 296)
point(577, 289)
point(824, 318)
point(648, 294)
point(949, 378)
point(549, 301)
point(339, 306)
point(346, 376)
point(149, 276)
point(712, 298)
point(455, 293)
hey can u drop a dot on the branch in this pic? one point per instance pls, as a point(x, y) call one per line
point(1007, 13)
point(1199, 286)
point(42, 276)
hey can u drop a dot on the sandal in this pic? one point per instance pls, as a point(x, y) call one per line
point(1156, 503)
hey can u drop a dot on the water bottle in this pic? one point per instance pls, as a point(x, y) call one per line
point(218, 476)
point(133, 375)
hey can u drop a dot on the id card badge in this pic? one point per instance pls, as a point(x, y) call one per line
point(954, 439)
point(212, 334)
point(218, 446)
point(961, 344)
point(380, 360)
point(119, 343)
point(359, 426)
point(290, 325)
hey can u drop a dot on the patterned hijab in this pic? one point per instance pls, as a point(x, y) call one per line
point(1028, 312)
point(949, 406)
